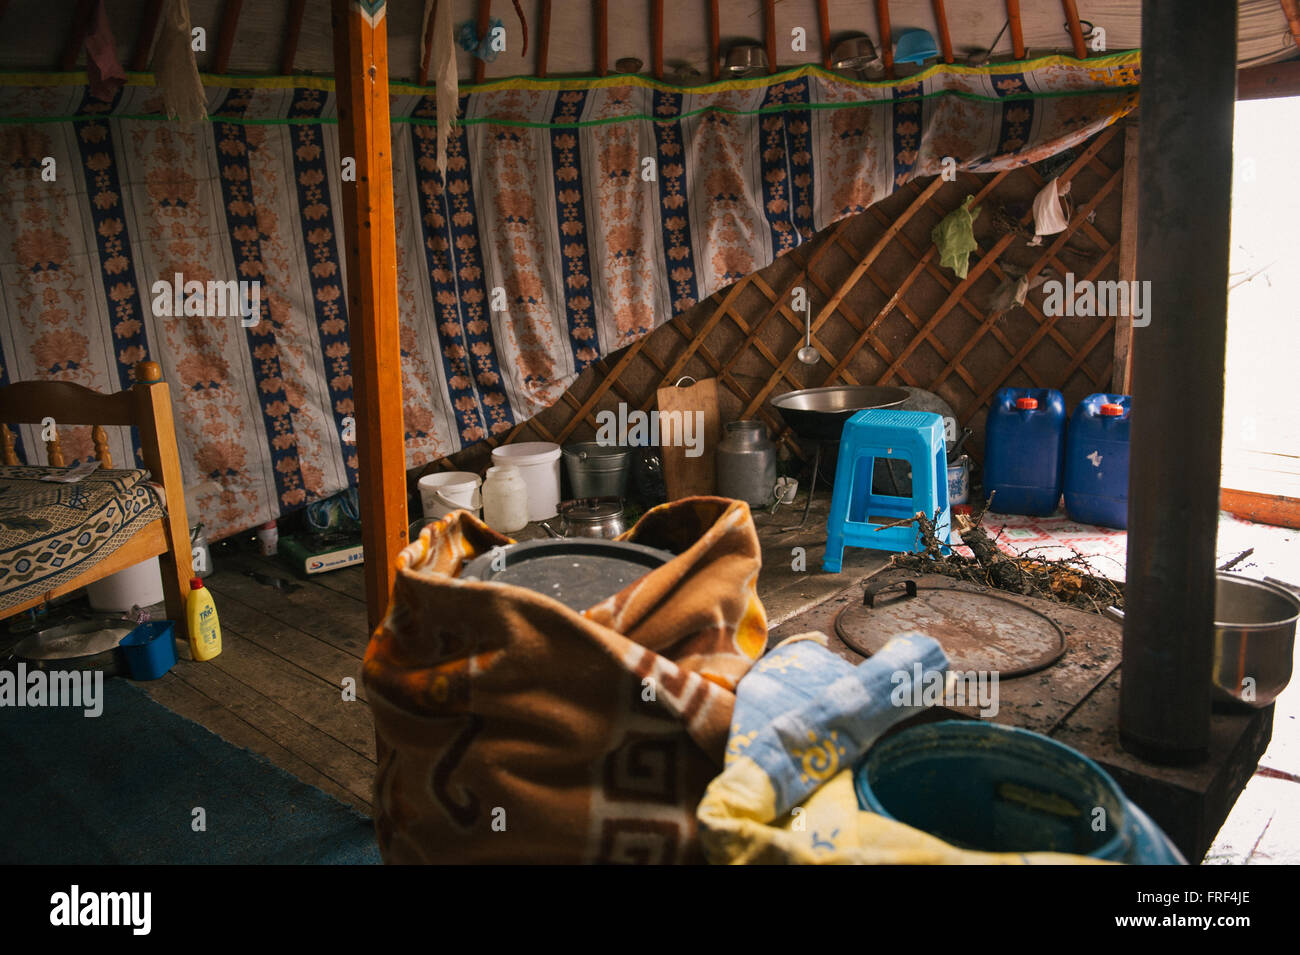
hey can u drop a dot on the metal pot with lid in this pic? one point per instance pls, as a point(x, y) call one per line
point(600, 517)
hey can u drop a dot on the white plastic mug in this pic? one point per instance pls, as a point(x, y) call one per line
point(448, 491)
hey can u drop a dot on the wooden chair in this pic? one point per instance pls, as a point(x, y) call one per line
point(147, 405)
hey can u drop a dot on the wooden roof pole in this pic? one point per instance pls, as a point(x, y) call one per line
point(886, 37)
point(824, 23)
point(365, 134)
point(229, 24)
point(144, 40)
point(769, 33)
point(1292, 11)
point(290, 48)
point(657, 37)
point(76, 36)
point(945, 38)
point(602, 37)
point(1017, 29)
point(1076, 29)
point(544, 38)
point(715, 39)
point(1122, 366)
point(427, 53)
point(484, 23)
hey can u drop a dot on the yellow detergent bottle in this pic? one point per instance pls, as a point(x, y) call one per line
point(201, 614)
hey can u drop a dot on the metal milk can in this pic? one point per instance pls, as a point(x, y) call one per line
point(746, 463)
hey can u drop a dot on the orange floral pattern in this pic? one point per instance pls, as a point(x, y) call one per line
point(547, 197)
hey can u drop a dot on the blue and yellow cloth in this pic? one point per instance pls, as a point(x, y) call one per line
point(803, 718)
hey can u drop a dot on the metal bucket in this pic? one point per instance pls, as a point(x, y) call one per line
point(1254, 639)
point(596, 470)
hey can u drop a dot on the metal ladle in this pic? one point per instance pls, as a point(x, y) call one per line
point(808, 355)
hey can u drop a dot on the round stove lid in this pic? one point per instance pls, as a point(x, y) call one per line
point(978, 631)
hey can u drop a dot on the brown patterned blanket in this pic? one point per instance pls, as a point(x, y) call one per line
point(513, 729)
point(50, 533)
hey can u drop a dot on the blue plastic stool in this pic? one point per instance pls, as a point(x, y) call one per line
point(857, 512)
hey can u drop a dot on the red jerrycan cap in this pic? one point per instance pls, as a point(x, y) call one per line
point(1026, 404)
point(1111, 410)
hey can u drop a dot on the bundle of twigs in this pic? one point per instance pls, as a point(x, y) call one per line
point(1066, 580)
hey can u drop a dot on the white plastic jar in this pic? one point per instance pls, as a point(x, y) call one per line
point(539, 466)
point(505, 499)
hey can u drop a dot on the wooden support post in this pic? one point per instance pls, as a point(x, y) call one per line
point(365, 134)
point(886, 37)
point(1076, 28)
point(1017, 29)
point(1184, 215)
point(1122, 369)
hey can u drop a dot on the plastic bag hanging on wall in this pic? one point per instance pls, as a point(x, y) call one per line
point(955, 237)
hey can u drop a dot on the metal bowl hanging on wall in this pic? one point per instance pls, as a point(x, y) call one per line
point(858, 54)
point(745, 58)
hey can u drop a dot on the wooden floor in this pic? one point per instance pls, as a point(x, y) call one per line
point(277, 687)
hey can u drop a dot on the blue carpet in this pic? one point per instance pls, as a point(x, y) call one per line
point(122, 787)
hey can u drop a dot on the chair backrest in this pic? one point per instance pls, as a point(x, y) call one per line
point(32, 402)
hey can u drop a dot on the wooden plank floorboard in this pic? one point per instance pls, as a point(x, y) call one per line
point(299, 691)
point(326, 614)
point(291, 644)
point(179, 696)
point(349, 581)
point(308, 745)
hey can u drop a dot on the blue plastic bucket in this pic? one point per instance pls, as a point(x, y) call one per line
point(996, 788)
point(149, 650)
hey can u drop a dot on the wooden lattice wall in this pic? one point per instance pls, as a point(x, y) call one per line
point(885, 312)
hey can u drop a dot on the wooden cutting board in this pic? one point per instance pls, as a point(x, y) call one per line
point(685, 476)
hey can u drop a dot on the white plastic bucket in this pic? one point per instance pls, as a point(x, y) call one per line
point(539, 466)
point(448, 491)
point(137, 586)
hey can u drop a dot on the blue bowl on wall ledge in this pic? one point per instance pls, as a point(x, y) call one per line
point(992, 788)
